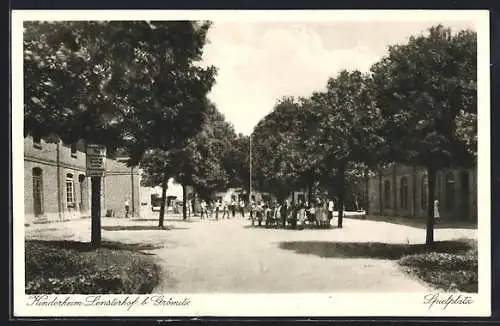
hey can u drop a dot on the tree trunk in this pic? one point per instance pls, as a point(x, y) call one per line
point(341, 195)
point(164, 186)
point(366, 201)
point(431, 180)
point(184, 202)
point(310, 191)
point(96, 212)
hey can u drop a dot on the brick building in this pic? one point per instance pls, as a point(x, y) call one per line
point(56, 187)
point(403, 191)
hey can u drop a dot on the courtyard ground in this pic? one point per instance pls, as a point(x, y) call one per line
point(231, 256)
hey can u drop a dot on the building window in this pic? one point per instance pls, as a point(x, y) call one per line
point(387, 194)
point(424, 192)
point(37, 191)
point(450, 191)
point(70, 191)
point(403, 193)
point(37, 142)
point(73, 150)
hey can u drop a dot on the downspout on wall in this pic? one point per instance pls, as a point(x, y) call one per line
point(133, 193)
point(58, 170)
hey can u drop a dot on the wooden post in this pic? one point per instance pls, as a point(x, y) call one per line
point(96, 158)
point(96, 212)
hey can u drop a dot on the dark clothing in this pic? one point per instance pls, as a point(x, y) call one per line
point(284, 214)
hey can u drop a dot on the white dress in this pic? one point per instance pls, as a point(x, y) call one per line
point(436, 209)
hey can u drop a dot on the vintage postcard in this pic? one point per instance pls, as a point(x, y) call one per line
point(251, 163)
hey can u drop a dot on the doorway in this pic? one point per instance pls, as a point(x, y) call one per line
point(83, 193)
point(37, 192)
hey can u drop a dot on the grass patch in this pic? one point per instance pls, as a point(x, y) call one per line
point(376, 250)
point(447, 265)
point(63, 267)
point(446, 271)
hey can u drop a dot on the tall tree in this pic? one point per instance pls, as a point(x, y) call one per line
point(167, 91)
point(69, 69)
point(347, 130)
point(427, 92)
point(201, 162)
point(133, 83)
point(157, 169)
point(281, 153)
point(237, 163)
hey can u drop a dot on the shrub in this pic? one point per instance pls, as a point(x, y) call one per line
point(449, 272)
point(53, 270)
point(442, 261)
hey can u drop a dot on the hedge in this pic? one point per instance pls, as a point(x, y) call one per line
point(55, 270)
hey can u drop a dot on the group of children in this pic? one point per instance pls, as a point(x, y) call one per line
point(212, 210)
point(317, 214)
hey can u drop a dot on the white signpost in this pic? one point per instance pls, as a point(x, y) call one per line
point(96, 160)
point(96, 165)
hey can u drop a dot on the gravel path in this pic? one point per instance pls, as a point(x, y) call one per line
point(229, 256)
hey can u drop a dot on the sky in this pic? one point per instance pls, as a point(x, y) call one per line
point(259, 62)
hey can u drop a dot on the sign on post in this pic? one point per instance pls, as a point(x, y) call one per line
point(96, 160)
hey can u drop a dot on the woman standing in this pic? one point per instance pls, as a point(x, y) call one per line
point(436, 209)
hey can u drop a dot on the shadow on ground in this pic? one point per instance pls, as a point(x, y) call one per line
point(249, 226)
point(141, 228)
point(415, 223)
point(166, 220)
point(86, 246)
point(376, 250)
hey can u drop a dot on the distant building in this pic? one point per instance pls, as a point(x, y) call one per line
point(403, 191)
point(56, 186)
point(235, 194)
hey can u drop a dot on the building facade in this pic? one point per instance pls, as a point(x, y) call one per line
point(403, 191)
point(56, 187)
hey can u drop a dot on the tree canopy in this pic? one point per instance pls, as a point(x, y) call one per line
point(426, 90)
point(115, 83)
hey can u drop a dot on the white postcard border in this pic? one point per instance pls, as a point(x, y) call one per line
point(314, 304)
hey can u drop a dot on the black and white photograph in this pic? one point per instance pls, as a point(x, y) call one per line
point(238, 163)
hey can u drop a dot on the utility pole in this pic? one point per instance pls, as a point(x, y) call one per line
point(250, 163)
point(96, 158)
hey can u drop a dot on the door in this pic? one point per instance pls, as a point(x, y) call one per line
point(83, 193)
point(37, 192)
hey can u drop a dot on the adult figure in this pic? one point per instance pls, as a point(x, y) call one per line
point(217, 209)
point(321, 215)
point(127, 207)
point(261, 210)
point(188, 207)
point(284, 209)
point(436, 209)
point(301, 214)
point(242, 208)
point(225, 210)
point(233, 207)
point(331, 207)
point(203, 209)
point(307, 206)
point(312, 213)
point(252, 209)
